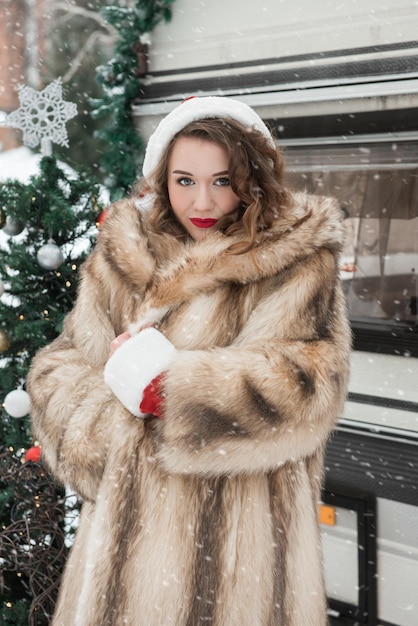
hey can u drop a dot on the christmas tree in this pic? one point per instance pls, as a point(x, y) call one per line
point(48, 228)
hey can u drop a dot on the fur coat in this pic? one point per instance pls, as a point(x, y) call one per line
point(210, 514)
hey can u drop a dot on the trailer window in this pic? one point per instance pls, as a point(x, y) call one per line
point(377, 187)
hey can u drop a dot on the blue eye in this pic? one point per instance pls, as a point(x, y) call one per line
point(223, 182)
point(185, 181)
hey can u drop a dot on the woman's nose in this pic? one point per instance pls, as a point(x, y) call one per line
point(203, 199)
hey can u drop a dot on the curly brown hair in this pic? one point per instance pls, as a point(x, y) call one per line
point(256, 172)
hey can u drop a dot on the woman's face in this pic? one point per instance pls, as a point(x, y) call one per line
point(199, 188)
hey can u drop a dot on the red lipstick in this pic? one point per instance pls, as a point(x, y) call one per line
point(203, 222)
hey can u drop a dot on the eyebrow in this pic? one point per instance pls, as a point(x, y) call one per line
point(190, 174)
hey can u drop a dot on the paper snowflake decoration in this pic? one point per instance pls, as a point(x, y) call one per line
point(42, 115)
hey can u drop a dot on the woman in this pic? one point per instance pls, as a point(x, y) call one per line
point(208, 514)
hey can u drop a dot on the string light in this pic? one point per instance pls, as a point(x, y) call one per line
point(41, 500)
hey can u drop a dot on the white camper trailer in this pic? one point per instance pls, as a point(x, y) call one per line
point(338, 82)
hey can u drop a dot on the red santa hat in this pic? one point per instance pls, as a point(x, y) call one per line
point(192, 110)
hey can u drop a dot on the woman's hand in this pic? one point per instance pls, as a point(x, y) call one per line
point(117, 342)
point(152, 399)
point(120, 339)
point(135, 364)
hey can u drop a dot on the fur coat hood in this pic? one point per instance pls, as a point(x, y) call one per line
point(210, 513)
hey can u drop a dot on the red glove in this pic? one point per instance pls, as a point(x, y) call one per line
point(152, 398)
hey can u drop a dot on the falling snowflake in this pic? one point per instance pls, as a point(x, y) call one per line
point(42, 115)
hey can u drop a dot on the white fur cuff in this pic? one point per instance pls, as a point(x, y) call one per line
point(135, 364)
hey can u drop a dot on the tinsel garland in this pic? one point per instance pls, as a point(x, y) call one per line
point(121, 83)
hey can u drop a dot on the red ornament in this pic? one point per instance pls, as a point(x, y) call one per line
point(33, 454)
point(101, 219)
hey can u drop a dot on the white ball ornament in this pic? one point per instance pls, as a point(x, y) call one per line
point(17, 403)
point(50, 256)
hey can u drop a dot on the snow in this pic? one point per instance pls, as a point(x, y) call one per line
point(20, 163)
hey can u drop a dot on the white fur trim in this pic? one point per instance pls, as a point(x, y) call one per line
point(135, 364)
point(198, 109)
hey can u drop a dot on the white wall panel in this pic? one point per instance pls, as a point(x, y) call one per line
point(214, 32)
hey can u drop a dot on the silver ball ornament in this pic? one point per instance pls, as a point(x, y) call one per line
point(50, 256)
point(13, 227)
